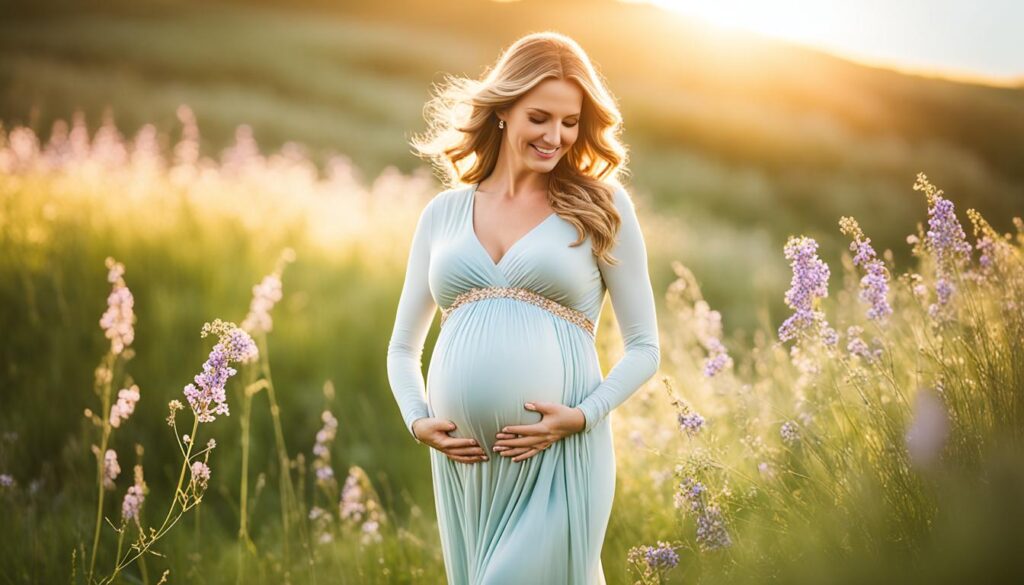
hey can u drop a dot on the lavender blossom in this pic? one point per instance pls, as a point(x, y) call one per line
point(322, 450)
point(111, 469)
point(993, 248)
point(134, 497)
point(691, 423)
point(351, 507)
point(690, 494)
point(264, 295)
point(321, 520)
point(718, 359)
point(125, 405)
point(359, 507)
point(708, 326)
point(210, 398)
point(7, 480)
point(809, 284)
point(874, 285)
point(711, 531)
point(653, 559)
point(858, 347)
point(947, 242)
point(200, 474)
point(132, 503)
point(119, 319)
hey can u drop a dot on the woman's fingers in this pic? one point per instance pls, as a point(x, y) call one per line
point(465, 458)
point(521, 441)
point(527, 455)
point(467, 451)
point(453, 442)
point(513, 451)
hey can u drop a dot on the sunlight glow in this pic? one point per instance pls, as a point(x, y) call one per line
point(953, 39)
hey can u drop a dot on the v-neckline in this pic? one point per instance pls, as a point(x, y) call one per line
point(472, 230)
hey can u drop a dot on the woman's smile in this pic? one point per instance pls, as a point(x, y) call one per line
point(544, 153)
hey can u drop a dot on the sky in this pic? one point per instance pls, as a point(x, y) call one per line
point(981, 40)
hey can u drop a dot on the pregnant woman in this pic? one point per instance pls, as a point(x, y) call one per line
point(518, 258)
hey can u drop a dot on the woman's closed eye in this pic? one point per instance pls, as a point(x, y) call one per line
point(542, 121)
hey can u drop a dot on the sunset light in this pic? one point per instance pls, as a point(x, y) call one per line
point(952, 39)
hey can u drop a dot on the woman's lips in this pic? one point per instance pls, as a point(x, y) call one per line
point(543, 154)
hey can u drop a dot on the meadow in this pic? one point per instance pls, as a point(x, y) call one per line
point(874, 435)
point(840, 398)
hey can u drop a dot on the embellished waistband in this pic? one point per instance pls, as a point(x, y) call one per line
point(523, 294)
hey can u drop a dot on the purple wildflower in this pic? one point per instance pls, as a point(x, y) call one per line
point(711, 532)
point(653, 559)
point(358, 506)
point(119, 319)
point(874, 285)
point(946, 241)
point(985, 246)
point(351, 506)
point(6, 480)
point(322, 449)
point(210, 398)
point(200, 474)
point(324, 474)
point(134, 497)
point(321, 520)
point(993, 248)
point(125, 406)
point(718, 359)
point(691, 423)
point(264, 295)
point(111, 469)
point(809, 284)
point(708, 325)
point(858, 347)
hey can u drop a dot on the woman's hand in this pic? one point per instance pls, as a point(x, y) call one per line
point(557, 422)
point(434, 432)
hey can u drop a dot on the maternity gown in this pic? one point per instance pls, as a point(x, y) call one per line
point(524, 335)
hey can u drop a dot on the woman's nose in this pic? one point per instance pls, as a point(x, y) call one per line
point(553, 138)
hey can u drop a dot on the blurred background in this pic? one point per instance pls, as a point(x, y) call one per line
point(747, 122)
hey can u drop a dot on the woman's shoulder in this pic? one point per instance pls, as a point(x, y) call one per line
point(621, 197)
point(446, 200)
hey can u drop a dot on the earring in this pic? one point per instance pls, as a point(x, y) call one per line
point(501, 123)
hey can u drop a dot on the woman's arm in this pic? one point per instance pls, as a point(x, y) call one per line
point(629, 285)
point(416, 308)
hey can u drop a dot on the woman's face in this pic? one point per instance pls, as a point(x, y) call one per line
point(543, 124)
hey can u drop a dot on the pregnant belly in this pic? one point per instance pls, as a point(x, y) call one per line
point(491, 359)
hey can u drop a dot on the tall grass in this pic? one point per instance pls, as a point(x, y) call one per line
point(191, 230)
point(873, 436)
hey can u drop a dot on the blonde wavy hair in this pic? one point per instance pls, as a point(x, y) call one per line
point(463, 137)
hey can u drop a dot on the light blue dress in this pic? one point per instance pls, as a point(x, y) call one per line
point(542, 520)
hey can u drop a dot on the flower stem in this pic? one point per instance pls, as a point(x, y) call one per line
point(105, 399)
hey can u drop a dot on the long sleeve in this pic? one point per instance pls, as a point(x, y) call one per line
point(629, 286)
point(416, 308)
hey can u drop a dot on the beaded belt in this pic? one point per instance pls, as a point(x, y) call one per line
point(523, 294)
